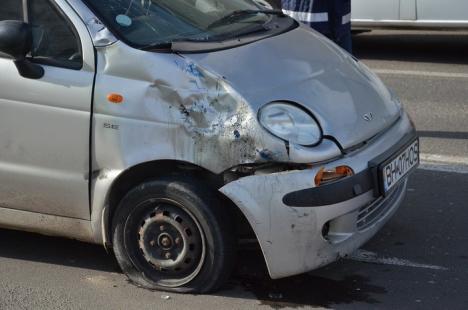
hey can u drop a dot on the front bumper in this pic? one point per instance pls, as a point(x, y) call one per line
point(297, 239)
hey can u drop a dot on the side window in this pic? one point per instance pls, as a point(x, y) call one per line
point(55, 41)
point(11, 10)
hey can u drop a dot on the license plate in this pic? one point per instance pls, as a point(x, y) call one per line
point(399, 165)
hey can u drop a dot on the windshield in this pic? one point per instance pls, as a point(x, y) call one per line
point(146, 23)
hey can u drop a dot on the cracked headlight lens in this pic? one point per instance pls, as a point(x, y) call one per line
point(290, 123)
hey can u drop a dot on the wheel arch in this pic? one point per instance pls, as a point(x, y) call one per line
point(135, 175)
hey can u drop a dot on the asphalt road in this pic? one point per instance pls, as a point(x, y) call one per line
point(429, 71)
point(418, 261)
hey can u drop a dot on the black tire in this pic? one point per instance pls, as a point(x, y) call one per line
point(175, 216)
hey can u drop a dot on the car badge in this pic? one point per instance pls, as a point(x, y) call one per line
point(368, 117)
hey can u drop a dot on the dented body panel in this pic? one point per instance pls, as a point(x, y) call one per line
point(173, 109)
point(291, 238)
point(199, 109)
point(317, 74)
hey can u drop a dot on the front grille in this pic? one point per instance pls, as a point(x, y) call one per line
point(372, 212)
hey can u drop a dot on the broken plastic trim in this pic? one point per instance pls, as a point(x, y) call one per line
point(332, 193)
point(245, 170)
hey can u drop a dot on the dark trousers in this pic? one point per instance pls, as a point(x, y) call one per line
point(345, 40)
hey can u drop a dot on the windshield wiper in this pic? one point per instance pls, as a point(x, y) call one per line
point(239, 14)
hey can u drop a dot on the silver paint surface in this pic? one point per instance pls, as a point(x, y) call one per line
point(410, 13)
point(194, 108)
point(304, 67)
point(291, 238)
point(44, 135)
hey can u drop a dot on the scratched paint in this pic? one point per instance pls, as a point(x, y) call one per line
point(177, 110)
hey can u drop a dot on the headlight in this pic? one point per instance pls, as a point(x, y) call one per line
point(290, 123)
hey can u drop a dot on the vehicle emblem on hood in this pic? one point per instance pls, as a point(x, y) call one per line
point(368, 117)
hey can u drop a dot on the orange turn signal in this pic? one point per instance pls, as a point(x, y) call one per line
point(325, 176)
point(115, 98)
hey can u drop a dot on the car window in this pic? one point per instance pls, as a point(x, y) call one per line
point(55, 42)
point(11, 10)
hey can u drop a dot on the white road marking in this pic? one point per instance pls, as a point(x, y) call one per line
point(444, 168)
point(444, 163)
point(373, 258)
point(448, 159)
point(422, 73)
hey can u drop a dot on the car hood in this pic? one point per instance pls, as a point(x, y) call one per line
point(350, 102)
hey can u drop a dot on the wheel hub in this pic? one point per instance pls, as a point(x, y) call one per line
point(165, 241)
point(170, 241)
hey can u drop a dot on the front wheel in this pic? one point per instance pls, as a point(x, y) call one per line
point(172, 235)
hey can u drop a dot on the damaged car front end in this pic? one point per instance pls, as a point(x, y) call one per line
point(297, 127)
point(196, 103)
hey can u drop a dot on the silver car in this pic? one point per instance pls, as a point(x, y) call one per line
point(449, 14)
point(169, 130)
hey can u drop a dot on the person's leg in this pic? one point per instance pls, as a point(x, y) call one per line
point(341, 10)
point(345, 41)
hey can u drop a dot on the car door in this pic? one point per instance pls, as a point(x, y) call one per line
point(45, 123)
point(375, 10)
point(408, 10)
point(447, 10)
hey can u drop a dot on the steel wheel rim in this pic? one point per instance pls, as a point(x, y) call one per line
point(148, 243)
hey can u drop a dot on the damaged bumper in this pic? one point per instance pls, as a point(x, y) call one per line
point(298, 233)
